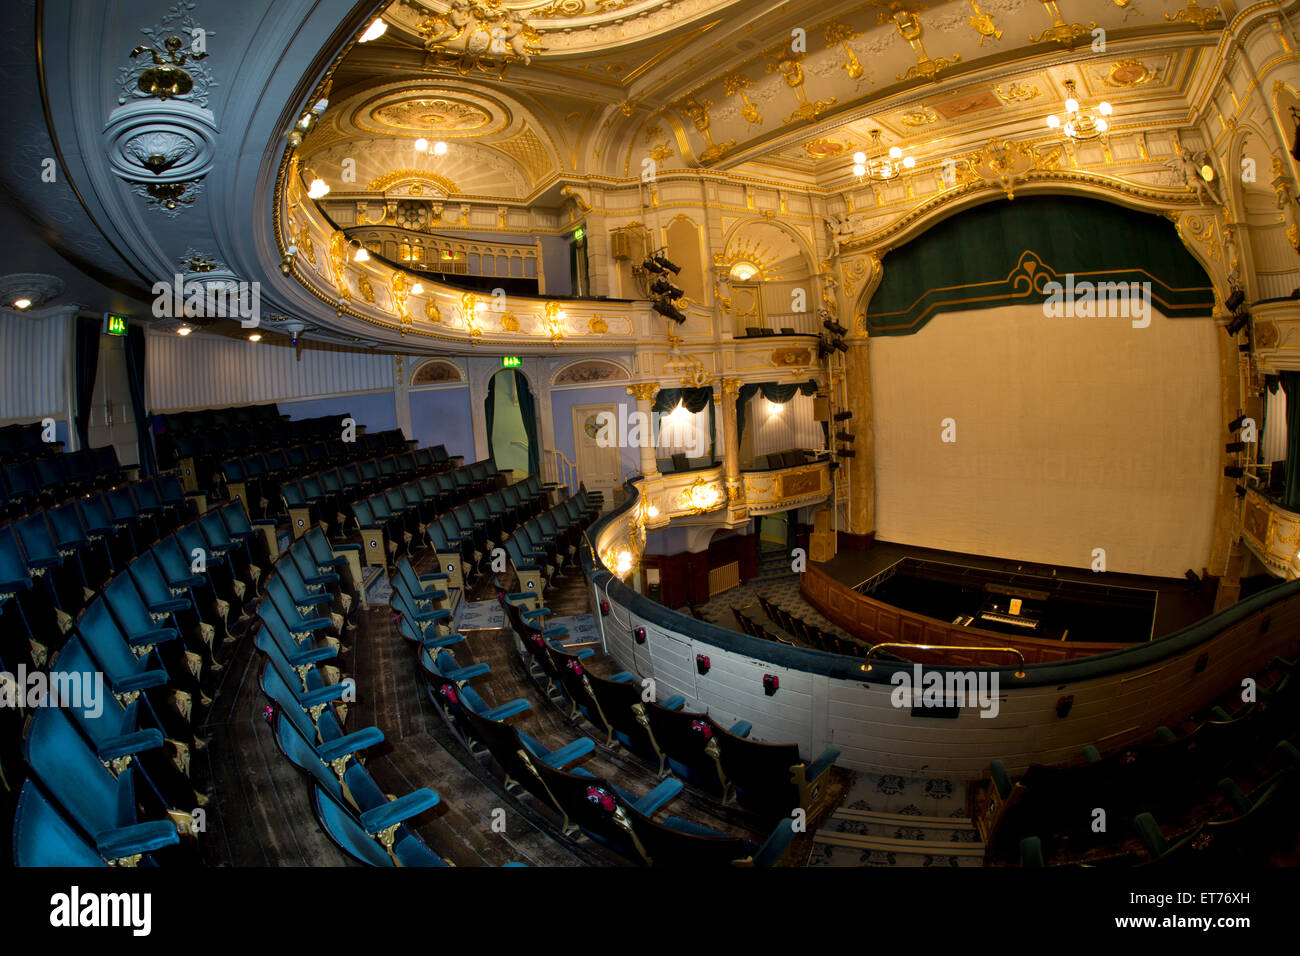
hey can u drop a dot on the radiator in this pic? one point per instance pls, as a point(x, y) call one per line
point(724, 578)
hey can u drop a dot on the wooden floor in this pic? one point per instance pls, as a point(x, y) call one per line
point(260, 814)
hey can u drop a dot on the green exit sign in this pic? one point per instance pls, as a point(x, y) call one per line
point(578, 234)
point(114, 324)
point(510, 361)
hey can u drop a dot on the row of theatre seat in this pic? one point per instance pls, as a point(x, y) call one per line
point(810, 634)
point(44, 481)
point(292, 476)
point(305, 622)
point(53, 559)
point(25, 442)
point(1228, 784)
point(107, 774)
point(584, 802)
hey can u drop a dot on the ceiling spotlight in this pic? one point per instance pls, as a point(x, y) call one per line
point(318, 188)
point(374, 31)
point(184, 330)
point(439, 148)
point(1234, 302)
point(666, 263)
point(421, 145)
point(668, 310)
point(255, 337)
point(662, 286)
point(23, 303)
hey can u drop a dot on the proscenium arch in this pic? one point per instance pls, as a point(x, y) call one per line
point(959, 204)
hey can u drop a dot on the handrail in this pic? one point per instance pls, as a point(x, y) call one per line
point(565, 471)
point(946, 647)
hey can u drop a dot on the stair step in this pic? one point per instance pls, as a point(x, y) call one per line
point(860, 841)
point(903, 819)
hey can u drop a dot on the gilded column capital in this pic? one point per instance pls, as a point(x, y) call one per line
point(643, 391)
point(731, 387)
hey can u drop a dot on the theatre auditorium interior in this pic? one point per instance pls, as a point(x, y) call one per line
point(650, 433)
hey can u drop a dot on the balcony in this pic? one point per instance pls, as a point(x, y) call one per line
point(1272, 534)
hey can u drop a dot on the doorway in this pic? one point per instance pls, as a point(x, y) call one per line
point(777, 537)
point(112, 419)
point(511, 418)
point(600, 467)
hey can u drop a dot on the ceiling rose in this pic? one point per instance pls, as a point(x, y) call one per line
point(431, 115)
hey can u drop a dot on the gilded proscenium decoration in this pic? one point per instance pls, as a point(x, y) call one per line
point(338, 257)
point(553, 320)
point(478, 35)
point(1066, 34)
point(1201, 17)
point(909, 28)
point(168, 76)
point(643, 391)
point(790, 65)
point(1016, 92)
point(1129, 73)
point(697, 111)
point(983, 24)
point(469, 314)
point(922, 116)
point(401, 289)
point(842, 33)
point(734, 83)
point(1003, 162)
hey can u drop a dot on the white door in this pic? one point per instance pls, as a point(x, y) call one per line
point(112, 420)
point(599, 468)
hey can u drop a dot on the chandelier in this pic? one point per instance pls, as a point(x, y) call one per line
point(882, 166)
point(1080, 124)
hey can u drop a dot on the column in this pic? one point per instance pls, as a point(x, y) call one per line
point(731, 441)
point(861, 469)
point(644, 393)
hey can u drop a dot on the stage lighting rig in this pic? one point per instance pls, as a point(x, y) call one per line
point(668, 310)
point(662, 287)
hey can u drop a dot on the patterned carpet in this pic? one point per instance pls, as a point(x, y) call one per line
point(779, 589)
point(471, 615)
point(889, 820)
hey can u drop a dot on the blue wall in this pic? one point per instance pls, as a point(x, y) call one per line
point(442, 417)
point(562, 405)
point(377, 411)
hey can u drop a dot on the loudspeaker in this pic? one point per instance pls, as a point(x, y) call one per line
point(822, 409)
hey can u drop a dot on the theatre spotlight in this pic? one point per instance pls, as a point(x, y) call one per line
point(1238, 323)
point(823, 347)
point(843, 416)
point(662, 286)
point(1240, 490)
point(649, 265)
point(665, 263)
point(1232, 471)
point(668, 310)
point(1234, 301)
point(833, 327)
point(847, 453)
point(844, 436)
point(1234, 447)
point(1237, 422)
point(840, 344)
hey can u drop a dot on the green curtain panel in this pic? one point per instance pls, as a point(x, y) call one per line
point(695, 400)
point(490, 409)
point(1291, 490)
point(528, 411)
point(1004, 252)
point(135, 383)
point(86, 363)
point(780, 394)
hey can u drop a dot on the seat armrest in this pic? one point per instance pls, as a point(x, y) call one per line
point(465, 673)
point(138, 742)
point(149, 638)
point(660, 795)
point(622, 677)
point(136, 839)
point(435, 576)
point(774, 847)
point(517, 706)
point(169, 606)
point(539, 612)
point(350, 743)
point(823, 763)
point(569, 752)
point(741, 728)
point(323, 694)
point(676, 702)
point(396, 811)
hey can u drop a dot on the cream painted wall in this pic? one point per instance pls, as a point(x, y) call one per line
point(1071, 434)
